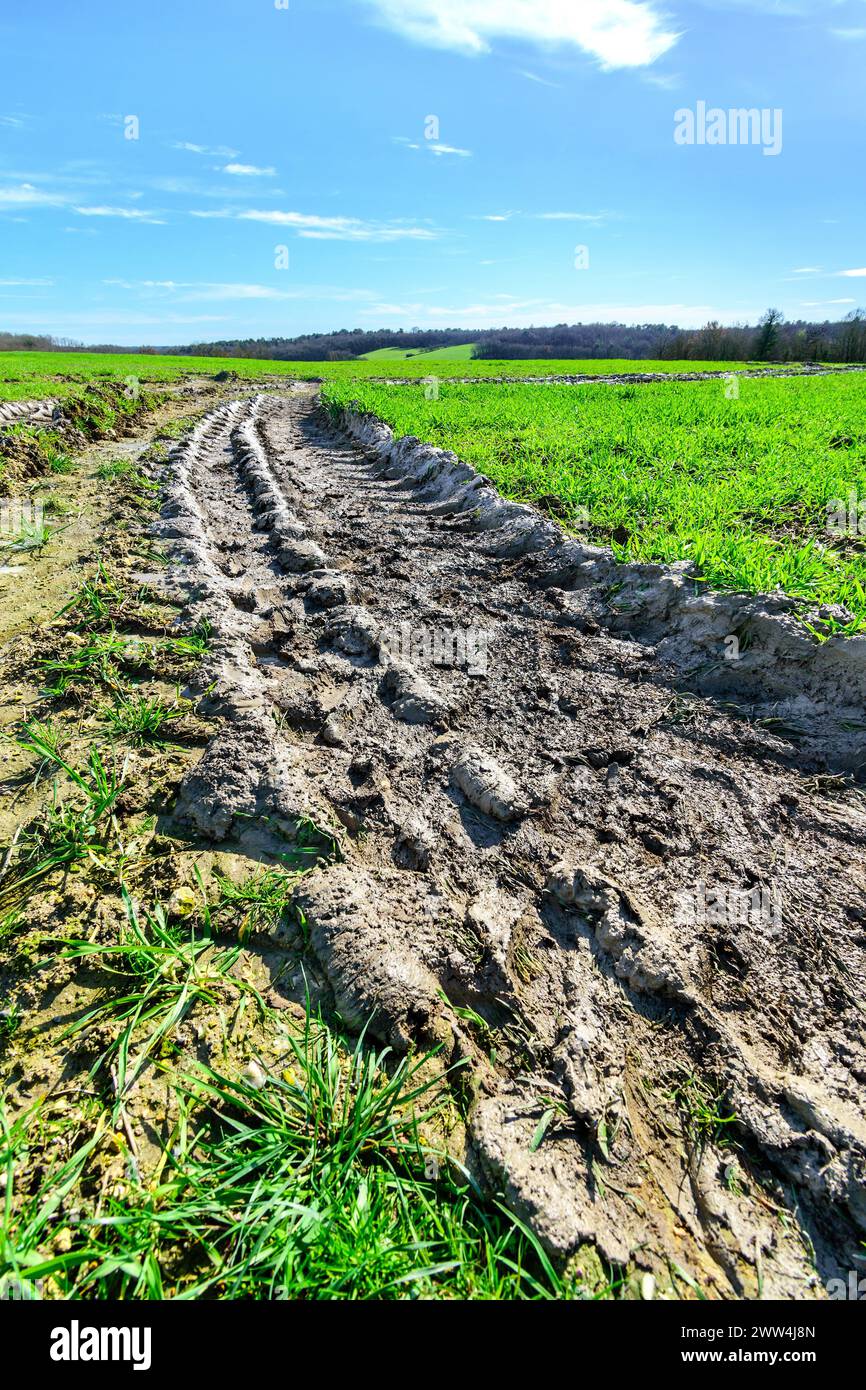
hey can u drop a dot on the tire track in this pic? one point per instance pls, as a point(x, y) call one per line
point(526, 829)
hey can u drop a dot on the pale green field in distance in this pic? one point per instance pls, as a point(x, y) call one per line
point(460, 352)
point(671, 470)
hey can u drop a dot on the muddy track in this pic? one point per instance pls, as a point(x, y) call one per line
point(605, 894)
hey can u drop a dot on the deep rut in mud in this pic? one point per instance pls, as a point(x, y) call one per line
point(613, 899)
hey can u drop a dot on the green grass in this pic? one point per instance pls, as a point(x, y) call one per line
point(32, 375)
point(312, 1183)
point(260, 903)
point(670, 471)
point(79, 827)
point(31, 535)
point(142, 719)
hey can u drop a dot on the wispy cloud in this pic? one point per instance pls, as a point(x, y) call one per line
point(533, 77)
point(667, 81)
point(316, 228)
point(593, 217)
point(27, 195)
point(434, 147)
point(438, 149)
point(29, 283)
point(854, 274)
point(129, 214)
point(848, 33)
point(572, 216)
point(189, 291)
point(248, 171)
point(617, 33)
point(823, 303)
point(214, 151)
point(502, 312)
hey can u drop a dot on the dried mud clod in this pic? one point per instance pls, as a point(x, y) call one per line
point(366, 953)
point(486, 785)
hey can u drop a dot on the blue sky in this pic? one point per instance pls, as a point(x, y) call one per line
point(308, 127)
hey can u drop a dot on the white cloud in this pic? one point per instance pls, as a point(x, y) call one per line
point(848, 33)
point(434, 147)
point(595, 217)
point(808, 270)
point(315, 228)
point(438, 149)
point(533, 77)
point(70, 324)
point(15, 282)
point(248, 171)
point(618, 33)
point(215, 151)
point(25, 195)
point(854, 274)
point(129, 214)
point(188, 291)
point(525, 313)
point(823, 303)
point(667, 81)
point(571, 216)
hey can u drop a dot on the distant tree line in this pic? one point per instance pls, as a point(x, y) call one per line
point(341, 345)
point(36, 342)
point(772, 339)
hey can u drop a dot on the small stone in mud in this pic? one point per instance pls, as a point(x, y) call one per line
point(255, 1076)
point(486, 785)
point(182, 902)
point(415, 844)
point(334, 733)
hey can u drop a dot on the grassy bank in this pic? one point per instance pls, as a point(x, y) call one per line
point(740, 482)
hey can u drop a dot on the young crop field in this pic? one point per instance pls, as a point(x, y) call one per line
point(26, 375)
point(739, 481)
